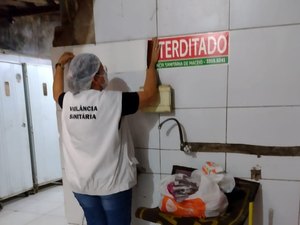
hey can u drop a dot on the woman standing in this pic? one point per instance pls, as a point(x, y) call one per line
point(99, 164)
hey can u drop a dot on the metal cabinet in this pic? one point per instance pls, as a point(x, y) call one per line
point(15, 160)
point(44, 131)
point(29, 141)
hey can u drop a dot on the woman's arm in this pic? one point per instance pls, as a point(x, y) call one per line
point(150, 92)
point(58, 82)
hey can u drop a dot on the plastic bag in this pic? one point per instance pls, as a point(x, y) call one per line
point(225, 181)
point(207, 201)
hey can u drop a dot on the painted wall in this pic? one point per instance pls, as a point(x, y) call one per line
point(254, 99)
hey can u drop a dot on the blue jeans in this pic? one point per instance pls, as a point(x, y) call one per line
point(114, 209)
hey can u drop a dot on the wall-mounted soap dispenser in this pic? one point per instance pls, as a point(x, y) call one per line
point(163, 103)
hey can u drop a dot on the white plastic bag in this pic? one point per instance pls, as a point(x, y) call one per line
point(225, 181)
point(207, 201)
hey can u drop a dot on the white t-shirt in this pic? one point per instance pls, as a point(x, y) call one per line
point(98, 156)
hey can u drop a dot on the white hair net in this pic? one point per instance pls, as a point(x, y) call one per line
point(82, 69)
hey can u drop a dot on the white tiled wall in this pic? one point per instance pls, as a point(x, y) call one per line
point(264, 126)
point(193, 16)
point(264, 67)
point(206, 85)
point(258, 13)
point(254, 99)
point(272, 167)
point(144, 130)
point(149, 160)
point(124, 20)
point(199, 125)
point(119, 57)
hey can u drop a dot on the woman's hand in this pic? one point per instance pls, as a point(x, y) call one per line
point(155, 52)
point(65, 58)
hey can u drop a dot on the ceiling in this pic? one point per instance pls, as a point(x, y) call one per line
point(9, 9)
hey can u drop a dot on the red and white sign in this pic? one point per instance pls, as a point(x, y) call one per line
point(184, 50)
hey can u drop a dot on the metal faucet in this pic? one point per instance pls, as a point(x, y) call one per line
point(184, 146)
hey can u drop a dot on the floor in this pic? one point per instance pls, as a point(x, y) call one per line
point(43, 208)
